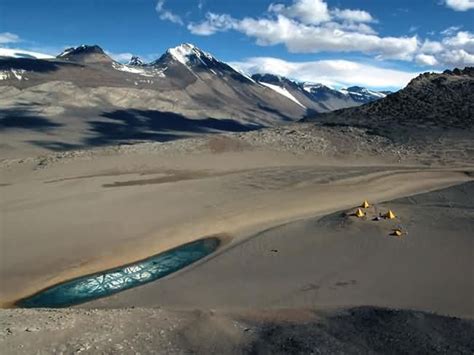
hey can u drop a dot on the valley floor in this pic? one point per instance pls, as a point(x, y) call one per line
point(294, 262)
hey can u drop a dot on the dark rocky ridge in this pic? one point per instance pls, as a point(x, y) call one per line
point(429, 103)
point(136, 61)
point(85, 53)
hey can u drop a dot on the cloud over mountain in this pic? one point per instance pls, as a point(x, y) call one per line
point(311, 26)
point(329, 72)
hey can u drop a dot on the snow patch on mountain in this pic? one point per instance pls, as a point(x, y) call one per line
point(185, 51)
point(13, 73)
point(143, 71)
point(309, 87)
point(282, 91)
point(362, 92)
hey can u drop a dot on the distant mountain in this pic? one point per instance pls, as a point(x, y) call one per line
point(429, 102)
point(136, 61)
point(317, 97)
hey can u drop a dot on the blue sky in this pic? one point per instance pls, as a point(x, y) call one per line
point(304, 39)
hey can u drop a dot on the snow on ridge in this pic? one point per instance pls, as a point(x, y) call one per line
point(376, 93)
point(72, 49)
point(140, 71)
point(282, 91)
point(244, 74)
point(310, 86)
point(363, 92)
point(13, 73)
point(182, 53)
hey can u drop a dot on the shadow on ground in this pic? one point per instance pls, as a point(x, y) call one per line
point(149, 125)
point(25, 119)
point(128, 126)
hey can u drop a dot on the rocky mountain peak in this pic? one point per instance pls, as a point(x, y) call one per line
point(85, 53)
point(135, 61)
point(82, 49)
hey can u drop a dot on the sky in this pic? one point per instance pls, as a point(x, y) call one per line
point(379, 44)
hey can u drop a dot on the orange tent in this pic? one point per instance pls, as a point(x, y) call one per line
point(365, 204)
point(390, 215)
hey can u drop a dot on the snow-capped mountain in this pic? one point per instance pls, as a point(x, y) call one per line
point(84, 81)
point(363, 95)
point(186, 90)
point(197, 61)
point(318, 97)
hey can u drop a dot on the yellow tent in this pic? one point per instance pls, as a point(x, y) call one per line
point(365, 204)
point(359, 213)
point(390, 215)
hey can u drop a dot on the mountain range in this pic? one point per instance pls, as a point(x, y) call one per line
point(84, 98)
point(184, 80)
point(317, 97)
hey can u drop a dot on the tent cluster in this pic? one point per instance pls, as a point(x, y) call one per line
point(360, 213)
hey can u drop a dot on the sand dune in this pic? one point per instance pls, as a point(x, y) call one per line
point(84, 216)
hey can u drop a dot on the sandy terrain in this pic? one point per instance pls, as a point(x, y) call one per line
point(289, 246)
point(337, 260)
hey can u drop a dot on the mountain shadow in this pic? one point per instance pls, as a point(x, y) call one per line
point(34, 65)
point(129, 125)
point(25, 119)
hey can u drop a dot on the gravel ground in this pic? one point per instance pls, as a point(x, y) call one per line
point(154, 331)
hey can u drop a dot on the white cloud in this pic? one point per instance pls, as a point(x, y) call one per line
point(213, 23)
point(353, 15)
point(453, 50)
point(301, 38)
point(307, 11)
point(167, 14)
point(457, 58)
point(431, 47)
point(426, 59)
point(450, 30)
point(462, 40)
point(329, 72)
point(460, 5)
point(309, 26)
point(7, 37)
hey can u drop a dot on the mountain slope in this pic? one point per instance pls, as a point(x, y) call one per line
point(430, 102)
point(184, 80)
point(317, 97)
point(83, 97)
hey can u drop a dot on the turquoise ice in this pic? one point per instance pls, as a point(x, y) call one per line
point(87, 288)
